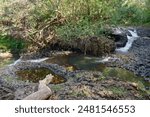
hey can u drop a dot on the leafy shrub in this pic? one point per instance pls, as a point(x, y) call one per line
point(10, 44)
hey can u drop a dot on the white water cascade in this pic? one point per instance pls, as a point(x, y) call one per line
point(32, 61)
point(128, 45)
point(125, 49)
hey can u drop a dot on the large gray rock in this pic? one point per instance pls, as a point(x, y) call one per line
point(141, 51)
point(143, 32)
point(6, 92)
point(119, 35)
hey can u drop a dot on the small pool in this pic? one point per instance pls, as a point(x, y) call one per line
point(36, 74)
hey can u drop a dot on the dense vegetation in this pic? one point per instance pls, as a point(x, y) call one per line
point(40, 22)
point(15, 46)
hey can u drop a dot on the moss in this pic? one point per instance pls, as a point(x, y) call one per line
point(124, 75)
point(56, 87)
point(77, 94)
point(102, 77)
point(118, 91)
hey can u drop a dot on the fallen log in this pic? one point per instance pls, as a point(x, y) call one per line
point(43, 92)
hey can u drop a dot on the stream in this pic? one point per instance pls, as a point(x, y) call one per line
point(74, 62)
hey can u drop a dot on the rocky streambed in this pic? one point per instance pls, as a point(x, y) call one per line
point(120, 75)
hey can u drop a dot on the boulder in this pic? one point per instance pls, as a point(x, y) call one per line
point(119, 35)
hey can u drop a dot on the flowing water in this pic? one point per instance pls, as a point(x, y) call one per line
point(128, 45)
point(32, 61)
point(82, 62)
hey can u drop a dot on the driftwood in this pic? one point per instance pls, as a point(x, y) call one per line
point(43, 92)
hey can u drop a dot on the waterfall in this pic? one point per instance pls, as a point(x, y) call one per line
point(128, 45)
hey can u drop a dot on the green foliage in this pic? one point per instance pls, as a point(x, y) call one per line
point(10, 44)
point(69, 18)
point(89, 17)
point(81, 29)
point(130, 14)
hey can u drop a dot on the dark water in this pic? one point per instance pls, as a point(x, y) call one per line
point(34, 75)
point(77, 62)
point(82, 62)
